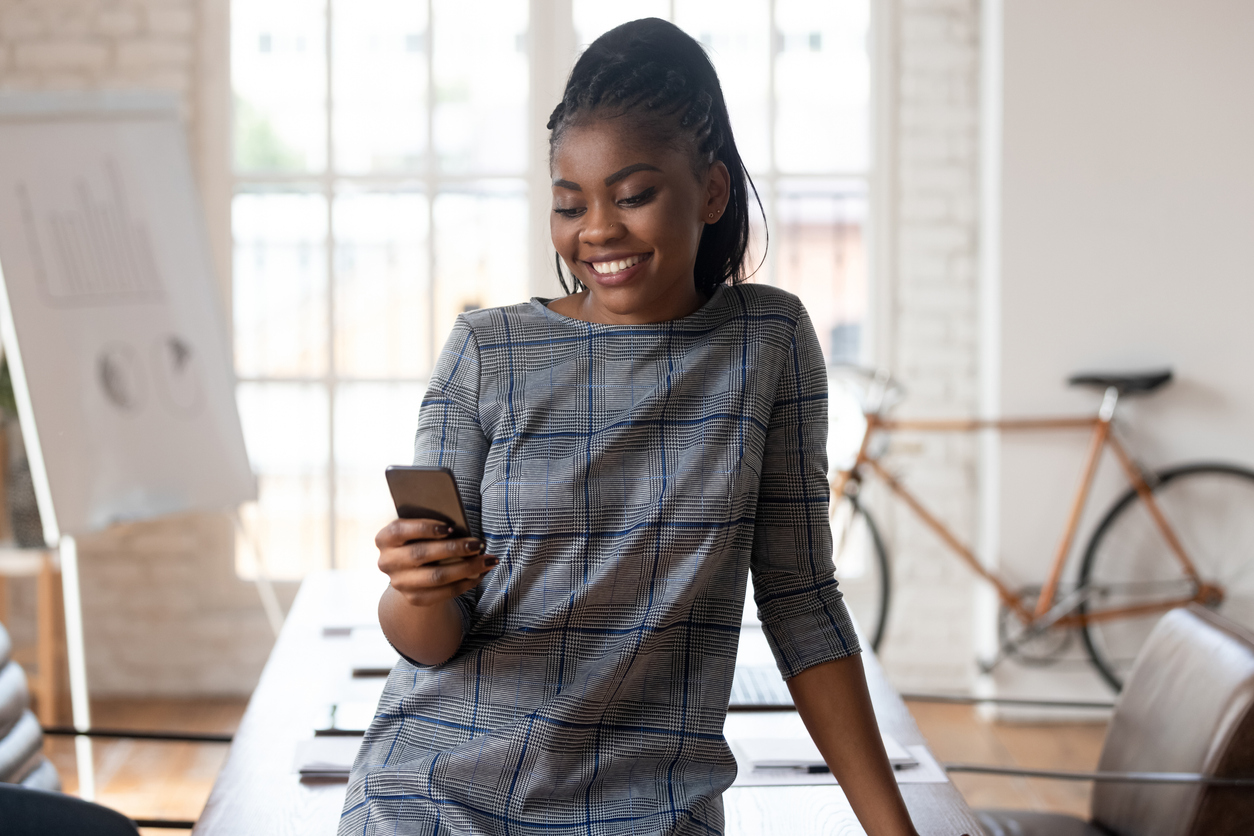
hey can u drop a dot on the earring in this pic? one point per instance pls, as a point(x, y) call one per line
point(711, 214)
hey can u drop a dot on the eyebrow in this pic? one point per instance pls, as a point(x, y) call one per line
point(609, 181)
point(631, 169)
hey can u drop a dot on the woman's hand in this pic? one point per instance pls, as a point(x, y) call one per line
point(426, 570)
point(425, 566)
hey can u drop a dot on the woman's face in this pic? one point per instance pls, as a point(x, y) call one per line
point(627, 219)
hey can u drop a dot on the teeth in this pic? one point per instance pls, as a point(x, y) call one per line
point(607, 267)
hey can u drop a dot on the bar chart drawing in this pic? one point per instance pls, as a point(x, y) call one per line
point(93, 251)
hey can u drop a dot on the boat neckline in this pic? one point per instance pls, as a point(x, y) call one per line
point(710, 305)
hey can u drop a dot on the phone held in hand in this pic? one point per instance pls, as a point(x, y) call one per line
point(428, 493)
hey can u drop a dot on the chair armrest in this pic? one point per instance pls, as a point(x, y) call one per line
point(1111, 777)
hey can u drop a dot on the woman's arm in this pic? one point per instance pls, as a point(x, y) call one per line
point(834, 703)
point(427, 608)
point(418, 612)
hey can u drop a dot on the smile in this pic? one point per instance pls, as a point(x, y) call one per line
point(607, 268)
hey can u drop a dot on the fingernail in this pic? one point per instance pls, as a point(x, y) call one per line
point(491, 561)
point(474, 546)
point(446, 530)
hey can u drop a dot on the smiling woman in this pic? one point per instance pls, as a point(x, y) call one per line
point(627, 455)
point(634, 231)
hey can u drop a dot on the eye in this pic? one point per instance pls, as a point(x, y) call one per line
point(639, 199)
point(568, 213)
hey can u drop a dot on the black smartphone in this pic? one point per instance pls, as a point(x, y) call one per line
point(428, 493)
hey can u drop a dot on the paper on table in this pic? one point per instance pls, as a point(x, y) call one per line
point(801, 753)
point(347, 718)
point(927, 772)
point(326, 757)
point(370, 652)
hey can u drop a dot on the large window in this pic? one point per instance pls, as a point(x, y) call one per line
point(382, 165)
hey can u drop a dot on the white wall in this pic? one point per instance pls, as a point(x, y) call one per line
point(1127, 241)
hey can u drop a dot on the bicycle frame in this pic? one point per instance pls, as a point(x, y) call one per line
point(1046, 613)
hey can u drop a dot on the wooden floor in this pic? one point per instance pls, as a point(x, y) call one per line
point(957, 734)
point(152, 780)
point(172, 780)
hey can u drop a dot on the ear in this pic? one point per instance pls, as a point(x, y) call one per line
point(717, 192)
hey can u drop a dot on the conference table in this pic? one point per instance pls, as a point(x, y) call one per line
point(259, 791)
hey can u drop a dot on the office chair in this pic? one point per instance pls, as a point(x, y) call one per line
point(21, 740)
point(1186, 715)
point(27, 812)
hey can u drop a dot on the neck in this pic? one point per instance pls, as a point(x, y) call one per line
point(607, 308)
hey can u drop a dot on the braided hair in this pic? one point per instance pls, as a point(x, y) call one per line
point(653, 71)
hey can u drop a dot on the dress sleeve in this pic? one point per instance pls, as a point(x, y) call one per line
point(450, 435)
point(801, 609)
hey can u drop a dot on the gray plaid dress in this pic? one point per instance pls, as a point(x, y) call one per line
point(629, 478)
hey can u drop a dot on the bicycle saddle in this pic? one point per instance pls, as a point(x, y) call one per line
point(1126, 384)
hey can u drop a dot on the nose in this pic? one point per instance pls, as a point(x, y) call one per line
point(601, 227)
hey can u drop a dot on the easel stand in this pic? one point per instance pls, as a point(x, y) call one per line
point(79, 700)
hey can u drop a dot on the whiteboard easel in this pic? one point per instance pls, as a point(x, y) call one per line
point(111, 321)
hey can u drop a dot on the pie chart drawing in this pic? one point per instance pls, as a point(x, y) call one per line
point(121, 376)
point(178, 375)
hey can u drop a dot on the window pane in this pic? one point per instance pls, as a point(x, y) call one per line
point(760, 256)
point(481, 73)
point(382, 294)
point(280, 284)
point(595, 17)
point(285, 428)
point(374, 427)
point(822, 258)
point(823, 85)
point(480, 251)
point(736, 34)
point(278, 74)
point(379, 66)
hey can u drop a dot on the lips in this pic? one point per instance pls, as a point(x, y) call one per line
point(605, 268)
point(617, 270)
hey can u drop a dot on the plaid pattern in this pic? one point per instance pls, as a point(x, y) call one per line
point(628, 477)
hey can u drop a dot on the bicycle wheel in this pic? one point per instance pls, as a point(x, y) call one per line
point(861, 567)
point(1128, 562)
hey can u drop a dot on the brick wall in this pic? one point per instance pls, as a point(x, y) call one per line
point(164, 612)
point(93, 44)
point(933, 332)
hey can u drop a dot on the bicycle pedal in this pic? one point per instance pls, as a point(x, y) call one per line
point(986, 667)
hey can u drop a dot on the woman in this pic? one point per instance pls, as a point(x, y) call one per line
point(629, 452)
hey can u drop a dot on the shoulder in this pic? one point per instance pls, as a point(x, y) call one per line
point(772, 308)
point(500, 325)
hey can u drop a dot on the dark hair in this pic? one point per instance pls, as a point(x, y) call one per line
point(652, 69)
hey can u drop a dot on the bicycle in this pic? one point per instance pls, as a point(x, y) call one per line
point(1178, 535)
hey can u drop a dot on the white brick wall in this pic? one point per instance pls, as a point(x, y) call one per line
point(89, 44)
point(164, 612)
point(934, 334)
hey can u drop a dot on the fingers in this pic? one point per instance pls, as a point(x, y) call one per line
point(399, 532)
point(428, 552)
point(425, 565)
point(446, 551)
point(431, 583)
